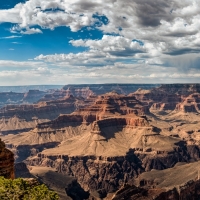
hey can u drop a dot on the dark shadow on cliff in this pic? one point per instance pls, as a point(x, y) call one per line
point(76, 192)
point(24, 151)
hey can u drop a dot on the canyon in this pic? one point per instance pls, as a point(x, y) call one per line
point(110, 140)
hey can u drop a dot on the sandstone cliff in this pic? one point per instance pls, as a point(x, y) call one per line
point(21, 118)
point(112, 138)
point(176, 97)
point(6, 162)
point(179, 182)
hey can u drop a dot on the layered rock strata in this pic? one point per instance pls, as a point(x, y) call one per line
point(114, 151)
point(21, 118)
point(176, 97)
point(6, 162)
point(179, 182)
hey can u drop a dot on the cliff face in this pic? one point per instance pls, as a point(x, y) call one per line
point(106, 144)
point(179, 182)
point(189, 190)
point(190, 104)
point(28, 111)
point(6, 162)
point(21, 118)
point(31, 96)
point(111, 152)
point(112, 138)
point(10, 98)
point(175, 97)
point(105, 106)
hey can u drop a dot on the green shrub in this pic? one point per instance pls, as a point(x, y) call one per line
point(20, 189)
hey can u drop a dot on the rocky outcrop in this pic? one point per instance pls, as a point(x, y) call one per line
point(101, 173)
point(190, 104)
point(189, 190)
point(6, 162)
point(10, 98)
point(22, 171)
point(93, 174)
point(174, 183)
point(112, 138)
point(48, 110)
point(106, 106)
point(75, 191)
point(103, 163)
point(176, 97)
point(21, 118)
point(22, 152)
point(125, 122)
point(32, 96)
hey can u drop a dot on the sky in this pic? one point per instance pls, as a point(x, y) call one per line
point(99, 41)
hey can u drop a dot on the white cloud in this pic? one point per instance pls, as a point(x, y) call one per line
point(30, 31)
point(126, 73)
point(11, 37)
point(21, 64)
point(102, 52)
point(149, 21)
point(156, 40)
point(16, 43)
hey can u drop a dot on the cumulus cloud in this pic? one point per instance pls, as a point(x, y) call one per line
point(30, 31)
point(154, 39)
point(106, 51)
point(148, 21)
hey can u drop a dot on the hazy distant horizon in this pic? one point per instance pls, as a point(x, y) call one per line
point(61, 85)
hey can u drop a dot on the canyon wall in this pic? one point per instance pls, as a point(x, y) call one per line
point(6, 162)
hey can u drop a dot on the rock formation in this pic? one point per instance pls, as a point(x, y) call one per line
point(10, 98)
point(112, 138)
point(32, 96)
point(179, 182)
point(114, 144)
point(6, 162)
point(87, 90)
point(99, 89)
point(176, 97)
point(21, 118)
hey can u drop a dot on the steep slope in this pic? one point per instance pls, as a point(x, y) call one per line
point(179, 182)
point(20, 118)
point(6, 162)
point(104, 140)
point(112, 138)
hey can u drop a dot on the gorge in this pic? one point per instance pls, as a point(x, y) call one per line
point(109, 144)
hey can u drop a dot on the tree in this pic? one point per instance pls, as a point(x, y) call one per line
point(21, 189)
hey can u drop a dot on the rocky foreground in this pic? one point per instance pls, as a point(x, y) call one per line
point(6, 162)
point(111, 142)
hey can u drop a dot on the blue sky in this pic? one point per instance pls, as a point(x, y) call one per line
point(110, 41)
